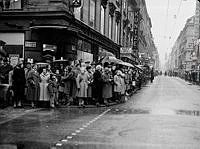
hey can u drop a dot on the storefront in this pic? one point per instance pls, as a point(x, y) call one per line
point(64, 36)
point(14, 43)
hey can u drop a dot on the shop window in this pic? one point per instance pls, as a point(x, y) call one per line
point(116, 33)
point(77, 13)
point(12, 4)
point(92, 13)
point(102, 19)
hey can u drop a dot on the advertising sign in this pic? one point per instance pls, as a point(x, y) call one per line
point(30, 44)
point(14, 59)
point(136, 26)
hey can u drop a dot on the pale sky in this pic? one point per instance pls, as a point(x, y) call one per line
point(166, 28)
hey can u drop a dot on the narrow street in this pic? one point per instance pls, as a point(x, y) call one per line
point(162, 115)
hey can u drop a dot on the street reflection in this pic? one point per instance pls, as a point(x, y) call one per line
point(187, 112)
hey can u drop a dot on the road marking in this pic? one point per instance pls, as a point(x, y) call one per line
point(73, 134)
point(58, 144)
point(69, 137)
point(82, 128)
point(78, 131)
point(64, 140)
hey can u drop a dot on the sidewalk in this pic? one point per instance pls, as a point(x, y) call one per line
point(9, 113)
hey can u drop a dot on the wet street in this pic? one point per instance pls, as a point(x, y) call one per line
point(163, 115)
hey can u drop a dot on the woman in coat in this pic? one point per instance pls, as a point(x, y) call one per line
point(70, 85)
point(33, 86)
point(43, 85)
point(123, 86)
point(82, 86)
point(97, 85)
point(90, 80)
point(117, 86)
point(107, 85)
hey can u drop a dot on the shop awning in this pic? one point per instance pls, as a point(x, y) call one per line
point(112, 59)
point(61, 27)
point(127, 64)
point(140, 67)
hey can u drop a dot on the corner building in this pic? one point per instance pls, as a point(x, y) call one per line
point(53, 29)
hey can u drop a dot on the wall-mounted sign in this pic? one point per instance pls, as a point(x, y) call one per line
point(14, 59)
point(48, 47)
point(136, 26)
point(30, 44)
point(126, 50)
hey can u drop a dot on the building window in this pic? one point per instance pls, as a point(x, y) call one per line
point(77, 13)
point(124, 5)
point(102, 19)
point(92, 13)
point(116, 33)
point(110, 26)
point(12, 4)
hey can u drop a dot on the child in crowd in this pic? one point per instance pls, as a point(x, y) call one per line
point(52, 90)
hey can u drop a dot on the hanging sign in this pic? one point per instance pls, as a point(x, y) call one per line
point(136, 30)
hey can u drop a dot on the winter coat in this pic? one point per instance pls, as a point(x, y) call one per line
point(97, 85)
point(82, 85)
point(107, 85)
point(33, 85)
point(18, 80)
point(123, 85)
point(43, 86)
point(117, 84)
point(90, 81)
point(52, 88)
point(70, 86)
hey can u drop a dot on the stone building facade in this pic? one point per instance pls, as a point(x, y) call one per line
point(183, 50)
point(54, 29)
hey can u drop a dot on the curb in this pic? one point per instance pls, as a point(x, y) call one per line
point(100, 106)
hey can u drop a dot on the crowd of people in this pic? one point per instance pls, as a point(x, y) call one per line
point(78, 84)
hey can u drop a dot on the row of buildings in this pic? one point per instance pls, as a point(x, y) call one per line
point(185, 55)
point(44, 30)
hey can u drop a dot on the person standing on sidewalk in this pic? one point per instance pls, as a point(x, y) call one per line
point(90, 81)
point(97, 85)
point(107, 85)
point(152, 75)
point(82, 86)
point(45, 76)
point(18, 85)
point(52, 90)
point(33, 85)
point(117, 86)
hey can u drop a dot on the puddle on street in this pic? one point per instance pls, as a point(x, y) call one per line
point(188, 112)
point(129, 111)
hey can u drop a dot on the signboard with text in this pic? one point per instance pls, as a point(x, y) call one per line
point(14, 59)
point(30, 44)
point(136, 26)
